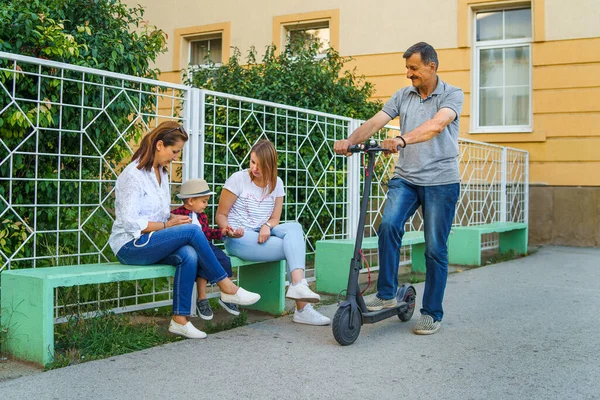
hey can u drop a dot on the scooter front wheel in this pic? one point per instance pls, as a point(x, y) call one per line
point(346, 331)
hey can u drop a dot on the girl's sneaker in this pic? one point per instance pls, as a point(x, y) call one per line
point(308, 315)
point(301, 292)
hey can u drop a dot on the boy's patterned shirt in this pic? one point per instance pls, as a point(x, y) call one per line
point(210, 233)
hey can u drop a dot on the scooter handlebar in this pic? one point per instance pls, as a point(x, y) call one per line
point(357, 148)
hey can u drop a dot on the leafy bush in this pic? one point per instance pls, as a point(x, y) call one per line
point(45, 127)
point(66, 131)
point(295, 77)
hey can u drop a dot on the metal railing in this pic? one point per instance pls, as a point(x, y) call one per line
point(66, 133)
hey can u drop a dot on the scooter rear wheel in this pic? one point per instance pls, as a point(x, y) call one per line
point(409, 298)
point(343, 332)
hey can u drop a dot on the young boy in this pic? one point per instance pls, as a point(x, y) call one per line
point(195, 194)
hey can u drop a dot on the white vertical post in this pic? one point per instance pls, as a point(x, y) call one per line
point(503, 165)
point(194, 122)
point(200, 125)
point(526, 188)
point(353, 186)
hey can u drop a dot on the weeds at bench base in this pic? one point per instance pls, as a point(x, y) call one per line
point(235, 322)
point(105, 335)
point(3, 333)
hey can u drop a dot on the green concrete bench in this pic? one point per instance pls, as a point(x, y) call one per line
point(332, 259)
point(28, 296)
point(464, 243)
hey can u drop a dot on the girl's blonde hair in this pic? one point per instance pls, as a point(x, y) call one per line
point(267, 163)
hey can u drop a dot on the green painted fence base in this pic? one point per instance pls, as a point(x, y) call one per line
point(464, 243)
point(332, 259)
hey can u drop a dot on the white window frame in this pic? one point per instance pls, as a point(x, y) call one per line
point(497, 44)
point(202, 38)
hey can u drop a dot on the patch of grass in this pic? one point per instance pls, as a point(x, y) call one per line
point(3, 334)
point(235, 322)
point(105, 335)
point(416, 278)
point(164, 311)
point(498, 258)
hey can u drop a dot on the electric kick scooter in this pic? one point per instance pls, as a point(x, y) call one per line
point(352, 312)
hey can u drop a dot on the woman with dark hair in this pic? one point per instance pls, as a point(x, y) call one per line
point(145, 232)
point(252, 199)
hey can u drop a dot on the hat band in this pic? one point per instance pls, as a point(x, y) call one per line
point(203, 193)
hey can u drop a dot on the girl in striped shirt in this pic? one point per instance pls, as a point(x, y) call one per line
point(252, 199)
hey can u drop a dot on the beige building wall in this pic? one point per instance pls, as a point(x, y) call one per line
point(365, 28)
point(564, 144)
point(573, 19)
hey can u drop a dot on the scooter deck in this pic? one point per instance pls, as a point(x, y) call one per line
point(375, 316)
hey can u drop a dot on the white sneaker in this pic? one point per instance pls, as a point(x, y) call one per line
point(301, 292)
point(188, 330)
point(242, 297)
point(308, 315)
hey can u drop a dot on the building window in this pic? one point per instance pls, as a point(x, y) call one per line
point(206, 50)
point(502, 71)
point(305, 34)
point(322, 27)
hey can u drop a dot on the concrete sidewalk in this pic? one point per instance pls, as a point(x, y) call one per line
point(523, 329)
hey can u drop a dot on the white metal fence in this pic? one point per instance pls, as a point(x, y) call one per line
point(67, 132)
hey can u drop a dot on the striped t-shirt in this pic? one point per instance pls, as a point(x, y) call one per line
point(253, 206)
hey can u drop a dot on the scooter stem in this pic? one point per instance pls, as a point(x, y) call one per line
point(353, 291)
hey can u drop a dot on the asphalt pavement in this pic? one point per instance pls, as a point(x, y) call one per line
point(522, 329)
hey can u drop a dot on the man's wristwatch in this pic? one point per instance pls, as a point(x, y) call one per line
point(268, 224)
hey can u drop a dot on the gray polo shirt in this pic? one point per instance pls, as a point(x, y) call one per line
point(434, 162)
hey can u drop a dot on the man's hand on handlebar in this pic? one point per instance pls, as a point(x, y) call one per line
point(392, 144)
point(341, 147)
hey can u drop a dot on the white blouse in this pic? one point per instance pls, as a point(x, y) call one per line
point(139, 200)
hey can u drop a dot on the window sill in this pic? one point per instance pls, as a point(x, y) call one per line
point(500, 131)
point(505, 137)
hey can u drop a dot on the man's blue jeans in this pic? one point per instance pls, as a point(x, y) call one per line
point(438, 205)
point(185, 247)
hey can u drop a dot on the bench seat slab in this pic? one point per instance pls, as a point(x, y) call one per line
point(464, 243)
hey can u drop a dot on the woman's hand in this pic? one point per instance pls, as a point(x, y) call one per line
point(264, 234)
point(238, 233)
point(232, 233)
point(175, 220)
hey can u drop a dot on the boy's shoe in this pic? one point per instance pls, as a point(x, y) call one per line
point(301, 292)
point(230, 307)
point(242, 297)
point(308, 315)
point(204, 310)
point(426, 325)
point(188, 330)
point(374, 303)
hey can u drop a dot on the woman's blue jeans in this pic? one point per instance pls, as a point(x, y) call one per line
point(286, 243)
point(438, 204)
point(185, 247)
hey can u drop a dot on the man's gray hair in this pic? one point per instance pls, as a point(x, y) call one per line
point(427, 52)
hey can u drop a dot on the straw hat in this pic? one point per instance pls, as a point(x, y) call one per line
point(194, 188)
